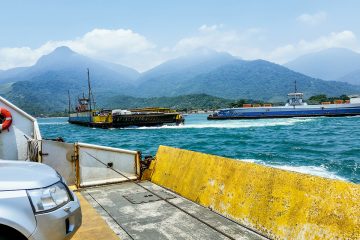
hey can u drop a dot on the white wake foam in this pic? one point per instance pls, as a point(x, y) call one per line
point(229, 124)
point(320, 171)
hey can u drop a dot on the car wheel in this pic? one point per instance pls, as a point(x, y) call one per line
point(8, 233)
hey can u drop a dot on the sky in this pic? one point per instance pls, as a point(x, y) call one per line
point(143, 34)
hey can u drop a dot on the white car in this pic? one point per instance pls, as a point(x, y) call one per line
point(35, 203)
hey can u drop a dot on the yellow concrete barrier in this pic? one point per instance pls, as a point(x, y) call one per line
point(281, 204)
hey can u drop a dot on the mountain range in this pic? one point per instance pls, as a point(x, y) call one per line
point(259, 79)
point(330, 64)
point(43, 87)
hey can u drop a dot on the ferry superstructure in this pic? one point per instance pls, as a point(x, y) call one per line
point(295, 107)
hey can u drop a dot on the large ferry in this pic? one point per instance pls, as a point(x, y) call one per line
point(85, 115)
point(295, 107)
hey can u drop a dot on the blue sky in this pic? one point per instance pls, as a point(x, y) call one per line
point(144, 33)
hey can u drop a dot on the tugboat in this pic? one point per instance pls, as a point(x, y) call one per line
point(118, 118)
point(295, 107)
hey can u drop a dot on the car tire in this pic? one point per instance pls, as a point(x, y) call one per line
point(8, 233)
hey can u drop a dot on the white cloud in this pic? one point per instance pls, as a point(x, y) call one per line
point(238, 43)
point(344, 39)
point(15, 57)
point(312, 19)
point(120, 46)
point(129, 48)
point(124, 46)
point(206, 28)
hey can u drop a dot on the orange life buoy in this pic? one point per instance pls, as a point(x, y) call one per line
point(6, 119)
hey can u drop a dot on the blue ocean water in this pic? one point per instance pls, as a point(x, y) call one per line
point(328, 147)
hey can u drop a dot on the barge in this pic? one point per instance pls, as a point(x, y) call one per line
point(126, 118)
point(295, 107)
point(85, 115)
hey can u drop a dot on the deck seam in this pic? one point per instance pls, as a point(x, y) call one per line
point(110, 216)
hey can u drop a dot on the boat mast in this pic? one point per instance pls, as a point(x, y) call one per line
point(89, 86)
point(295, 87)
point(69, 101)
point(93, 100)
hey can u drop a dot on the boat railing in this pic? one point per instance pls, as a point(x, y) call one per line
point(23, 129)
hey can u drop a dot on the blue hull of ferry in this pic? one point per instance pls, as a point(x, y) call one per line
point(253, 113)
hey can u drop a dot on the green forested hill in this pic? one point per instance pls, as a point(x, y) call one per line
point(192, 101)
point(258, 79)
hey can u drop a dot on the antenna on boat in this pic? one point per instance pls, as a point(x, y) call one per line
point(295, 87)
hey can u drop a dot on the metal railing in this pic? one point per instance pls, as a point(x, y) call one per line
point(86, 165)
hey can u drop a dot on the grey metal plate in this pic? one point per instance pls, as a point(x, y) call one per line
point(145, 197)
point(159, 220)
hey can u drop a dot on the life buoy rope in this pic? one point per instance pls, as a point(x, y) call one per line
point(6, 119)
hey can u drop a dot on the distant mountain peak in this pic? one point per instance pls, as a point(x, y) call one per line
point(61, 56)
point(328, 64)
point(59, 53)
point(198, 61)
point(63, 50)
point(204, 52)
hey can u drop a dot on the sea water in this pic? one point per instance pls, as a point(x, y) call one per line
point(328, 147)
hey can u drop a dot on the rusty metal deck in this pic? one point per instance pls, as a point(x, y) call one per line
point(135, 213)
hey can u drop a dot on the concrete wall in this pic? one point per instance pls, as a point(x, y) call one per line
point(13, 144)
point(278, 203)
